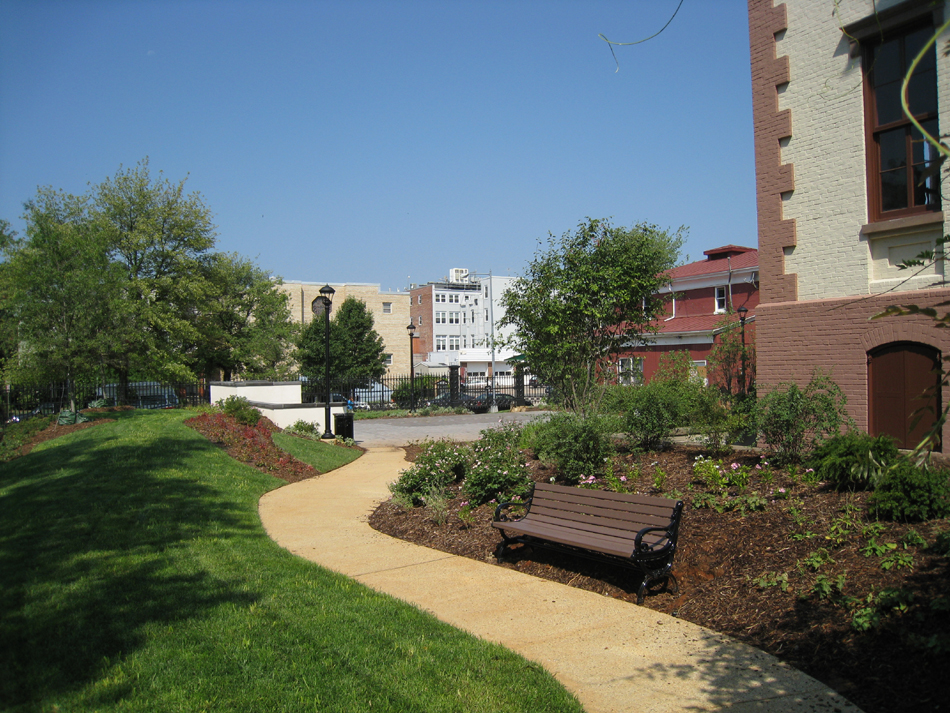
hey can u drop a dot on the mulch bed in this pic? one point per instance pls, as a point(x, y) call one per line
point(729, 567)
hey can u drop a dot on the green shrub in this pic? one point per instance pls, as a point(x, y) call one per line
point(497, 468)
point(240, 409)
point(718, 424)
point(854, 460)
point(440, 464)
point(425, 388)
point(907, 493)
point(793, 421)
point(578, 447)
point(655, 409)
point(304, 428)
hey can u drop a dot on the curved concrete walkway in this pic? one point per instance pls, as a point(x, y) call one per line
point(614, 656)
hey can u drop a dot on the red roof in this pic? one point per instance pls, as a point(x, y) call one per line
point(699, 323)
point(719, 260)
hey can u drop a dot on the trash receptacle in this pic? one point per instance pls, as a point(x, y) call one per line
point(343, 425)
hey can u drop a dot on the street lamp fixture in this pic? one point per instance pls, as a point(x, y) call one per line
point(743, 311)
point(323, 304)
point(412, 369)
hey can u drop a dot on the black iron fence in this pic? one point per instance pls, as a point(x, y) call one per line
point(405, 391)
point(25, 400)
point(388, 392)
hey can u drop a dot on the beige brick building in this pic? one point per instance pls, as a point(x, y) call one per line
point(843, 198)
point(390, 312)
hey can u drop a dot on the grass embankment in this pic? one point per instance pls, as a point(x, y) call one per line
point(322, 456)
point(136, 576)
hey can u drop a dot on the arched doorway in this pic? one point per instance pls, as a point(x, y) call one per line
point(902, 378)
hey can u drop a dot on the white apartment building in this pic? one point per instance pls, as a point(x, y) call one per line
point(457, 323)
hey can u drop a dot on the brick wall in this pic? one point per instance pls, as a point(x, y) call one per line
point(835, 335)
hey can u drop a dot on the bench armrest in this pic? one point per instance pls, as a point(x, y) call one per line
point(501, 516)
point(658, 549)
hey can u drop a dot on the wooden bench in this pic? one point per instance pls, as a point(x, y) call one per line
point(636, 531)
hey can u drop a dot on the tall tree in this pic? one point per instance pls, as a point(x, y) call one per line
point(58, 286)
point(356, 349)
point(591, 295)
point(159, 235)
point(245, 325)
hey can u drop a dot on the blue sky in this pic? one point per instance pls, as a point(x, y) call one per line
point(383, 142)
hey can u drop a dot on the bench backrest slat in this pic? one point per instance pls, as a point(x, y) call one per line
point(605, 495)
point(580, 519)
point(607, 509)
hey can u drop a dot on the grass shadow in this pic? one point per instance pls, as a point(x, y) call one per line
point(96, 546)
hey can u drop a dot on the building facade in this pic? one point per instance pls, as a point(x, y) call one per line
point(847, 190)
point(457, 320)
point(701, 295)
point(390, 312)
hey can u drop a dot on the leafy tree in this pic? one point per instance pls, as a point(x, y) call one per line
point(356, 350)
point(245, 324)
point(58, 286)
point(158, 234)
point(729, 356)
point(590, 296)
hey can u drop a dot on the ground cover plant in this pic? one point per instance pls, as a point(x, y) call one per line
point(136, 576)
point(776, 557)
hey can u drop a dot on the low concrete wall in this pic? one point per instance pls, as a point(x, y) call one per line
point(272, 392)
point(277, 400)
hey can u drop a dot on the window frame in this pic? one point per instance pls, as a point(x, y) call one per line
point(387, 307)
point(725, 300)
point(873, 130)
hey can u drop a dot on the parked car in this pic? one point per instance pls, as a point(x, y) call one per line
point(375, 393)
point(445, 401)
point(482, 402)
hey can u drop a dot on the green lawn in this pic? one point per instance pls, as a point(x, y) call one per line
point(322, 456)
point(136, 576)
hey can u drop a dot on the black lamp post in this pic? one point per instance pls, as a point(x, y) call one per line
point(323, 302)
point(412, 369)
point(743, 311)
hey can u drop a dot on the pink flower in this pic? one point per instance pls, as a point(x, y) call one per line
point(623, 479)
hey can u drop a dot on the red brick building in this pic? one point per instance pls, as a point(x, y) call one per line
point(702, 293)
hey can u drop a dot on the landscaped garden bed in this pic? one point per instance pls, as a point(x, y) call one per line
point(785, 563)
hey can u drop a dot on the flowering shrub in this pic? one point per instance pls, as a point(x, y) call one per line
point(438, 465)
point(719, 477)
point(497, 468)
point(710, 472)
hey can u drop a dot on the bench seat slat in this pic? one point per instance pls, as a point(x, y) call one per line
point(567, 536)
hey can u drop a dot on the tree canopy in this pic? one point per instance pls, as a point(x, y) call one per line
point(356, 350)
point(591, 295)
point(122, 281)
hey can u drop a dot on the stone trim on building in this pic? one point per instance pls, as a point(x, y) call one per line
point(772, 126)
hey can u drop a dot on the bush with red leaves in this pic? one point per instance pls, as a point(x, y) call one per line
point(252, 445)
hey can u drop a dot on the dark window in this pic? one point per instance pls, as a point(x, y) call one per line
point(902, 166)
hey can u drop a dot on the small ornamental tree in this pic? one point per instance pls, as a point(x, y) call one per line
point(590, 296)
point(730, 357)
